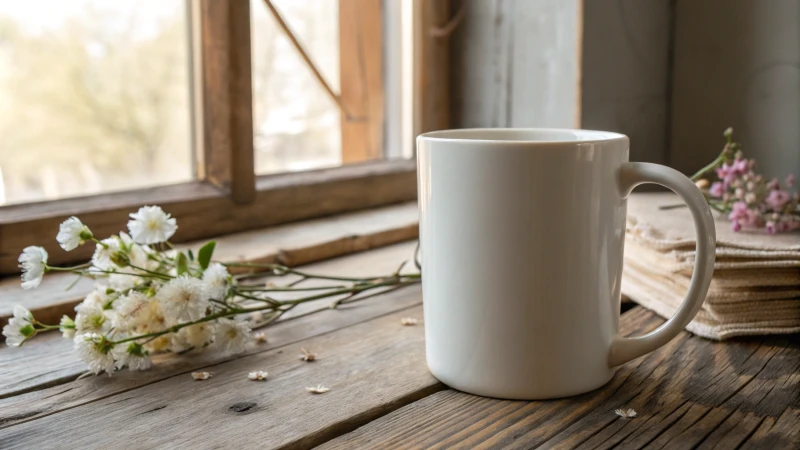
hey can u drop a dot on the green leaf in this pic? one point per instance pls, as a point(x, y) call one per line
point(204, 254)
point(181, 263)
point(191, 255)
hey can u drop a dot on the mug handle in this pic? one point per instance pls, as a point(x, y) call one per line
point(630, 175)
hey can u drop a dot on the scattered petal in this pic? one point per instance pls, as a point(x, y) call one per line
point(260, 338)
point(625, 413)
point(258, 375)
point(199, 376)
point(307, 355)
point(318, 389)
point(408, 321)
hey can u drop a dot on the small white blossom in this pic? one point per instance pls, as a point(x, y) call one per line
point(231, 336)
point(132, 355)
point(318, 389)
point(216, 279)
point(92, 318)
point(151, 225)
point(105, 251)
point(193, 336)
point(184, 298)
point(625, 413)
point(199, 376)
point(95, 350)
point(408, 321)
point(258, 375)
point(20, 327)
point(132, 310)
point(67, 327)
point(72, 233)
point(260, 337)
point(307, 355)
point(32, 261)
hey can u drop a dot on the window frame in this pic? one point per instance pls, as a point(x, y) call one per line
point(227, 196)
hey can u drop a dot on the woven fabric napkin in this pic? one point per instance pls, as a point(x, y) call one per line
point(756, 284)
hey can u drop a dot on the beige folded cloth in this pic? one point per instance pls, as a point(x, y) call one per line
point(756, 284)
point(673, 229)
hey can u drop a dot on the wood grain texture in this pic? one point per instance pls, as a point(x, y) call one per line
point(433, 64)
point(39, 378)
point(202, 211)
point(228, 160)
point(371, 368)
point(361, 79)
point(690, 393)
point(293, 245)
point(737, 65)
point(516, 63)
point(625, 76)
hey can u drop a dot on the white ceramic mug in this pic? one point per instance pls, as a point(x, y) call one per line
point(522, 234)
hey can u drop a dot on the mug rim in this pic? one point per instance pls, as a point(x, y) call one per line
point(483, 135)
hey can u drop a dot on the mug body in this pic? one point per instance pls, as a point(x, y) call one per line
point(522, 234)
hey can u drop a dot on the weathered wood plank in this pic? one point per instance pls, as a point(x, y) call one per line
point(690, 393)
point(203, 211)
point(294, 244)
point(49, 360)
point(371, 368)
point(516, 63)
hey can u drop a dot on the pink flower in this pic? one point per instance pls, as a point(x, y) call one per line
point(777, 199)
point(736, 225)
point(770, 226)
point(741, 166)
point(716, 189)
point(789, 180)
point(773, 184)
point(739, 211)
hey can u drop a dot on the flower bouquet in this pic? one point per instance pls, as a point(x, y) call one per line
point(150, 297)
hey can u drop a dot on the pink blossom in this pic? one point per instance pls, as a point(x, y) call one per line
point(790, 180)
point(773, 184)
point(736, 225)
point(740, 166)
point(777, 199)
point(716, 189)
point(770, 227)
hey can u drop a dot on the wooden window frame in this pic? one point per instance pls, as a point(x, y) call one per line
point(227, 196)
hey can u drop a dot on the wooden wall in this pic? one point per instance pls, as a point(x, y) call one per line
point(671, 74)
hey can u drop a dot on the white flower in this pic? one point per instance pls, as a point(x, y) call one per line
point(318, 389)
point(67, 327)
point(260, 337)
point(132, 310)
point(96, 299)
point(95, 350)
point(151, 225)
point(132, 355)
point(193, 336)
point(231, 336)
point(199, 376)
point(92, 319)
point(408, 321)
point(216, 278)
point(103, 254)
point(20, 327)
point(32, 261)
point(258, 375)
point(72, 233)
point(184, 298)
point(625, 413)
point(137, 253)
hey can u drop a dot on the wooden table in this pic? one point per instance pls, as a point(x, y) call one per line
point(691, 393)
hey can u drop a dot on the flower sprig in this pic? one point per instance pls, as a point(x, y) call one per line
point(151, 298)
point(745, 197)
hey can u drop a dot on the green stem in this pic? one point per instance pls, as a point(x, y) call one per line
point(163, 276)
point(286, 270)
point(711, 166)
point(288, 289)
point(68, 269)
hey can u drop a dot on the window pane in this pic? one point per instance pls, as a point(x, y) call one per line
point(94, 97)
point(297, 125)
